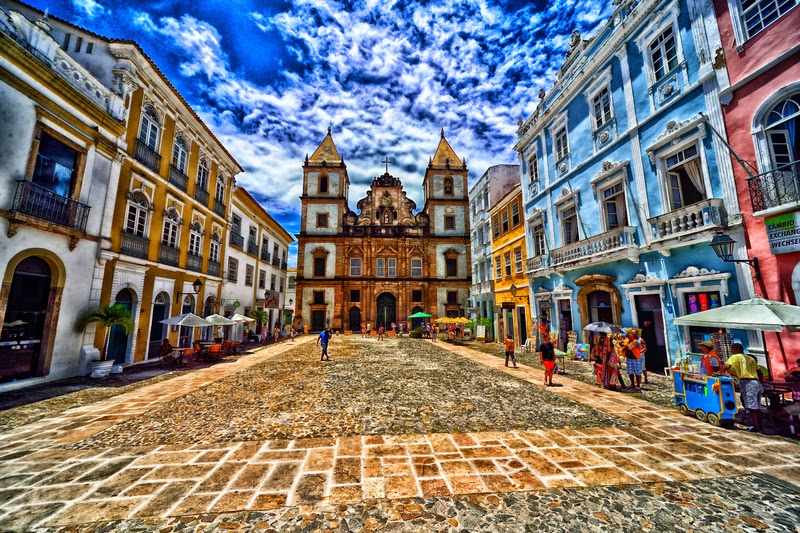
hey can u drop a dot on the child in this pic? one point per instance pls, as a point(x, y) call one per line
point(509, 344)
point(380, 333)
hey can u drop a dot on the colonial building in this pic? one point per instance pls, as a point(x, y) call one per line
point(290, 296)
point(255, 265)
point(495, 183)
point(60, 132)
point(626, 179)
point(511, 293)
point(762, 116)
point(388, 260)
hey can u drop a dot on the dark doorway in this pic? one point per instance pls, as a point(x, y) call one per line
point(185, 335)
point(24, 321)
point(416, 322)
point(387, 310)
point(600, 307)
point(317, 320)
point(651, 322)
point(354, 319)
point(158, 330)
point(523, 326)
point(117, 338)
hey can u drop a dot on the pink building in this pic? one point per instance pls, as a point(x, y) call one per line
point(762, 117)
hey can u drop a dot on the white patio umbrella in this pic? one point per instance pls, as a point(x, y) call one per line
point(241, 318)
point(187, 320)
point(756, 314)
point(219, 320)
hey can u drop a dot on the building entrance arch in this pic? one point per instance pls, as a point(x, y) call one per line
point(354, 319)
point(598, 299)
point(386, 310)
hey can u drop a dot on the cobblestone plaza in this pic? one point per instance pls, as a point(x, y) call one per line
point(400, 435)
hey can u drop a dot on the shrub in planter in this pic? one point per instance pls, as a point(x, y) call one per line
point(416, 334)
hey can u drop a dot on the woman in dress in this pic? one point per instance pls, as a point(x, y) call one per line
point(599, 359)
point(611, 367)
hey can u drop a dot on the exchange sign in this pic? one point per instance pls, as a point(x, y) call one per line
point(783, 233)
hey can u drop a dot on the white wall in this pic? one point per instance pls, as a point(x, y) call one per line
point(334, 187)
point(461, 261)
point(439, 213)
point(330, 264)
point(311, 218)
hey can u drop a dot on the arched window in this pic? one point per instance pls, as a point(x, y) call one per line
point(783, 131)
point(172, 224)
point(150, 128)
point(448, 185)
point(180, 153)
point(138, 207)
point(202, 175)
point(213, 254)
point(323, 184)
point(196, 239)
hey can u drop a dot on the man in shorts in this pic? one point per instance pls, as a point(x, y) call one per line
point(322, 340)
point(547, 354)
point(745, 368)
point(509, 344)
point(633, 359)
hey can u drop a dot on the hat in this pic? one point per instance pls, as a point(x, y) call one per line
point(707, 344)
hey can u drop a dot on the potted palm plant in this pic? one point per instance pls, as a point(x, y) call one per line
point(105, 317)
point(262, 317)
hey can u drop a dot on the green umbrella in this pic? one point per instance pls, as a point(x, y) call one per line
point(754, 314)
point(420, 314)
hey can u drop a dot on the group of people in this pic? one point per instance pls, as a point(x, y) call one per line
point(607, 356)
point(366, 330)
point(547, 355)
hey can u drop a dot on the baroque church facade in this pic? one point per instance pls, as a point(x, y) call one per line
point(388, 260)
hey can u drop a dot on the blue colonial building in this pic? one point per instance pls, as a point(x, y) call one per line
point(627, 177)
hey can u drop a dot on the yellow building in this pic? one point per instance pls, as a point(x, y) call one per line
point(170, 218)
point(511, 293)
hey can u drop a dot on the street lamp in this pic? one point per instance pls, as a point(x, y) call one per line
point(513, 290)
point(723, 244)
point(196, 286)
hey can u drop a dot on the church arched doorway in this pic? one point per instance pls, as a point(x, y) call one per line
point(387, 310)
point(354, 319)
point(416, 322)
point(118, 338)
point(25, 319)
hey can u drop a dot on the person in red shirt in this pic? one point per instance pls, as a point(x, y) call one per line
point(509, 344)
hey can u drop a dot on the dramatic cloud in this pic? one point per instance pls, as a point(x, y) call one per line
point(90, 8)
point(386, 76)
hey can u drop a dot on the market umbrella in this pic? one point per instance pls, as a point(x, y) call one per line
point(462, 320)
point(603, 327)
point(187, 320)
point(219, 320)
point(445, 320)
point(756, 314)
point(241, 318)
point(419, 314)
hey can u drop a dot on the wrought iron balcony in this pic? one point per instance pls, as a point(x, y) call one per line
point(134, 246)
point(201, 195)
point(252, 248)
point(776, 188)
point(539, 263)
point(194, 262)
point(147, 156)
point(169, 255)
point(265, 255)
point(284, 266)
point(276, 261)
point(213, 268)
point(237, 240)
point(611, 245)
point(689, 220)
point(35, 200)
point(178, 178)
point(219, 208)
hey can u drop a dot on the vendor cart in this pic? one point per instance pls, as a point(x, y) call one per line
point(712, 398)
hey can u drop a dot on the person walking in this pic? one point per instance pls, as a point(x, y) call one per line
point(643, 353)
point(323, 340)
point(509, 344)
point(434, 332)
point(363, 330)
point(633, 360)
point(380, 333)
point(745, 368)
point(547, 355)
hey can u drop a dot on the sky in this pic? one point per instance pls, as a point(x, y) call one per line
point(269, 78)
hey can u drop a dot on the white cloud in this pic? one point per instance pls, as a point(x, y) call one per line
point(91, 8)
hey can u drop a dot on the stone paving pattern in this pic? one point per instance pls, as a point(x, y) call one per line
point(48, 477)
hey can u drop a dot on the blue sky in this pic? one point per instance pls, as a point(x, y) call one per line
point(268, 77)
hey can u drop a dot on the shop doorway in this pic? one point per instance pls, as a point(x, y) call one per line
point(317, 320)
point(158, 331)
point(24, 321)
point(651, 322)
point(387, 310)
point(118, 338)
point(354, 319)
point(564, 323)
point(523, 325)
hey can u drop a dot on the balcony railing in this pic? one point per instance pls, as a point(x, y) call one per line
point(284, 266)
point(606, 245)
point(252, 248)
point(134, 246)
point(537, 263)
point(201, 195)
point(276, 261)
point(687, 220)
point(237, 240)
point(385, 231)
point(169, 255)
point(775, 188)
point(219, 208)
point(194, 262)
point(178, 178)
point(265, 255)
point(147, 156)
point(213, 268)
point(35, 200)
